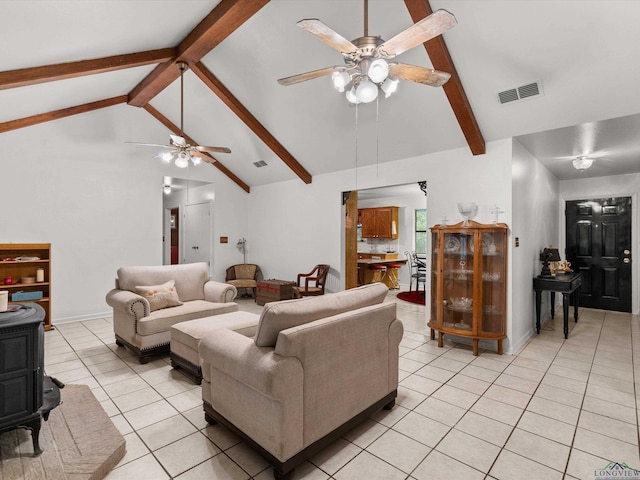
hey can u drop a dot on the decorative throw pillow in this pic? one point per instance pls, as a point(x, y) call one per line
point(160, 296)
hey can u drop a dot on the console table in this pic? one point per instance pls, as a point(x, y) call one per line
point(566, 283)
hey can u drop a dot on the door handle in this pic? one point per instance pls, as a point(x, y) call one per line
point(626, 260)
point(626, 252)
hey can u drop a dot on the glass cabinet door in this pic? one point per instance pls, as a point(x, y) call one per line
point(458, 277)
point(434, 276)
point(493, 278)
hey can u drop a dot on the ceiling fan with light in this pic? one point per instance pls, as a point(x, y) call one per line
point(366, 68)
point(179, 150)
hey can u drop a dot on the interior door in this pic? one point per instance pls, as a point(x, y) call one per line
point(197, 233)
point(599, 247)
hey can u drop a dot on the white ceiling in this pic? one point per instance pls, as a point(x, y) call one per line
point(584, 53)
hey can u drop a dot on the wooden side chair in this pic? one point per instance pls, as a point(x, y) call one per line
point(313, 281)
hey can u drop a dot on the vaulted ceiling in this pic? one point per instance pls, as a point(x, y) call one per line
point(67, 57)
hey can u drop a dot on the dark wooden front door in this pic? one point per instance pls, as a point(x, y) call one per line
point(599, 247)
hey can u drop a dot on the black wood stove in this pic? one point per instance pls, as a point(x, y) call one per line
point(26, 395)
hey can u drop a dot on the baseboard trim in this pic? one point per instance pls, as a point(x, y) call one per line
point(82, 318)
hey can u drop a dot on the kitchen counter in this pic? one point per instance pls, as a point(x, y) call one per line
point(378, 255)
point(365, 274)
point(372, 261)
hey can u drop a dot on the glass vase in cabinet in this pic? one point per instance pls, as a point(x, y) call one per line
point(468, 282)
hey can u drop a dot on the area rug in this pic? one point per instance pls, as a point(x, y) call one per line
point(79, 441)
point(413, 297)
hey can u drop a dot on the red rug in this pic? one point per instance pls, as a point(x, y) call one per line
point(413, 297)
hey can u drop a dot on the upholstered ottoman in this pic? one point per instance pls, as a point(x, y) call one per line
point(186, 336)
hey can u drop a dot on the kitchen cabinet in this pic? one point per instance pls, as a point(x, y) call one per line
point(379, 222)
point(468, 282)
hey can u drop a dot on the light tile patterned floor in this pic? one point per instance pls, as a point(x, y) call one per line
point(559, 409)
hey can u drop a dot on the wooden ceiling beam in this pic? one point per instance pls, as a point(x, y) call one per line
point(176, 130)
point(441, 60)
point(221, 22)
point(217, 87)
point(60, 71)
point(57, 114)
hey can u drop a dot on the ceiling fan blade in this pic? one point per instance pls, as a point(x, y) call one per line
point(178, 140)
point(435, 24)
point(303, 77)
point(327, 35)
point(150, 145)
point(213, 149)
point(435, 78)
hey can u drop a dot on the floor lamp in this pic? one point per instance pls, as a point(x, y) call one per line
point(242, 245)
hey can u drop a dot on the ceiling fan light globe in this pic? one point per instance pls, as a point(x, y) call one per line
point(183, 160)
point(389, 86)
point(166, 156)
point(340, 80)
point(351, 95)
point(367, 91)
point(195, 159)
point(378, 70)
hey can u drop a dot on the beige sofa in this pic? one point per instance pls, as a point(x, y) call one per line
point(316, 367)
point(147, 331)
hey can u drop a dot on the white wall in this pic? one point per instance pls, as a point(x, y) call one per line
point(535, 200)
point(612, 186)
point(97, 201)
point(293, 226)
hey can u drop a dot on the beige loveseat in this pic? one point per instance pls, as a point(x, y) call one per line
point(147, 331)
point(316, 367)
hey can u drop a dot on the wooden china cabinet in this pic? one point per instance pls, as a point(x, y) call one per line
point(469, 282)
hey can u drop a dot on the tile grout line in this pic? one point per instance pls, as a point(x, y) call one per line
point(151, 451)
point(575, 431)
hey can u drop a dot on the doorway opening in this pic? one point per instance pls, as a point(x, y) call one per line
point(187, 221)
point(408, 198)
point(174, 227)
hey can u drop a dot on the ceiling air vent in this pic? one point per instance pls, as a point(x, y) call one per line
point(519, 93)
point(260, 163)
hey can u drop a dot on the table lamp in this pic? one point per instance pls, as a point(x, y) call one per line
point(548, 255)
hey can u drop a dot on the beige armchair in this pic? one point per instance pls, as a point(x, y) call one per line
point(243, 275)
point(316, 367)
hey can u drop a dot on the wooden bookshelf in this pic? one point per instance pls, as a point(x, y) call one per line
point(21, 261)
